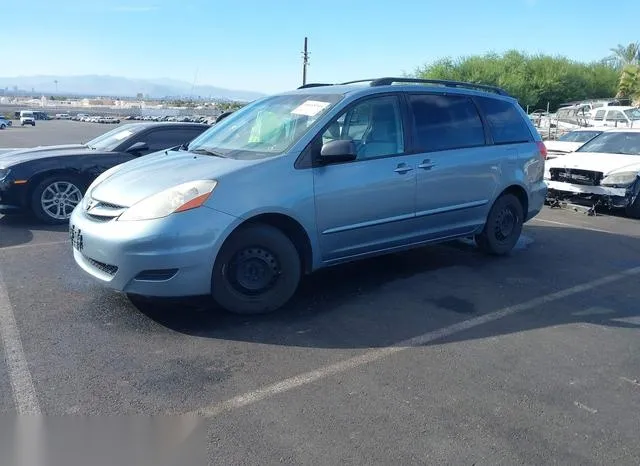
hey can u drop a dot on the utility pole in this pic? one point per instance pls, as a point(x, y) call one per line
point(305, 62)
point(56, 83)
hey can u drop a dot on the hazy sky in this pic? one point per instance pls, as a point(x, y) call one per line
point(256, 45)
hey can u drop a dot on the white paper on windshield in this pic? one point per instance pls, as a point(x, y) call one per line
point(310, 108)
point(122, 134)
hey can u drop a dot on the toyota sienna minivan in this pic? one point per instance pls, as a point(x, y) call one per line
point(308, 179)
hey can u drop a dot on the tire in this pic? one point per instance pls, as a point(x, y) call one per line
point(3, 126)
point(503, 227)
point(46, 194)
point(257, 271)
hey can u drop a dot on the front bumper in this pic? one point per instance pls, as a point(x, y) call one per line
point(167, 257)
point(13, 198)
point(603, 195)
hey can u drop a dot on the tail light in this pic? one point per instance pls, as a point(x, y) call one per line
point(543, 149)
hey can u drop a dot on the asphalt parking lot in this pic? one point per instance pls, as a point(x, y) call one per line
point(52, 132)
point(436, 356)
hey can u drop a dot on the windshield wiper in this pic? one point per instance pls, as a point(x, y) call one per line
point(204, 151)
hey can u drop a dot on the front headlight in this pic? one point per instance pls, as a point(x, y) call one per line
point(621, 180)
point(186, 196)
point(4, 173)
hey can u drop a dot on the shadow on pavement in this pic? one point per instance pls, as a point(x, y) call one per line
point(16, 230)
point(382, 301)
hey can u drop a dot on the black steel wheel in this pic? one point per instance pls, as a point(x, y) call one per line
point(503, 227)
point(257, 270)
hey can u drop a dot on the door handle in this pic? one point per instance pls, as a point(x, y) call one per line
point(427, 164)
point(403, 168)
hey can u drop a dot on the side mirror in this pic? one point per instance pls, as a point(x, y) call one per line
point(138, 147)
point(338, 151)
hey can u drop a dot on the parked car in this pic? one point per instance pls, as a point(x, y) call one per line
point(4, 122)
point(27, 118)
point(605, 171)
point(50, 181)
point(62, 116)
point(570, 141)
point(312, 178)
point(615, 116)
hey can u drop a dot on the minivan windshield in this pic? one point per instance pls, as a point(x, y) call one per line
point(266, 127)
point(112, 139)
point(619, 142)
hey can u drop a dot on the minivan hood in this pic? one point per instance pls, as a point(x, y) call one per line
point(153, 173)
point(594, 161)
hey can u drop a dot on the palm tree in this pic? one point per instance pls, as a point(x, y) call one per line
point(624, 55)
point(630, 82)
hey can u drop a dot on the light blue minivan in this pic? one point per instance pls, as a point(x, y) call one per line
point(322, 175)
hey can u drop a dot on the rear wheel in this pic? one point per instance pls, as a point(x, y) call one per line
point(503, 227)
point(54, 198)
point(257, 271)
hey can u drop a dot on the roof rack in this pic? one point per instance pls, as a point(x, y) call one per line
point(440, 82)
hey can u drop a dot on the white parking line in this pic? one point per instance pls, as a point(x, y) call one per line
point(24, 393)
point(573, 226)
point(31, 245)
point(307, 378)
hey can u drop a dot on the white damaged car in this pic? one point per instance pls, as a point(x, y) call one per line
point(571, 141)
point(603, 172)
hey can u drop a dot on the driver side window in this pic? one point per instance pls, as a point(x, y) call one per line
point(375, 126)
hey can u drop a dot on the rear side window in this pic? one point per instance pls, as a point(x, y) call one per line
point(445, 122)
point(506, 124)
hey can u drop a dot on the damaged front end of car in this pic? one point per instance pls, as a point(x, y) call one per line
point(592, 190)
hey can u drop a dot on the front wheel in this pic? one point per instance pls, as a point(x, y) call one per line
point(54, 199)
point(257, 271)
point(503, 227)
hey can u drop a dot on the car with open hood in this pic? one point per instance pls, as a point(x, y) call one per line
point(603, 172)
point(311, 178)
point(49, 181)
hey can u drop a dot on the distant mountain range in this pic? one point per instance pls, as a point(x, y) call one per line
point(116, 86)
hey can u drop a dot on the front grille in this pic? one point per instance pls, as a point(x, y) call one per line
point(576, 176)
point(106, 268)
point(103, 211)
point(99, 218)
point(108, 205)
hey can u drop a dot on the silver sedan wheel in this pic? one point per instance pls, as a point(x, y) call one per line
point(59, 199)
